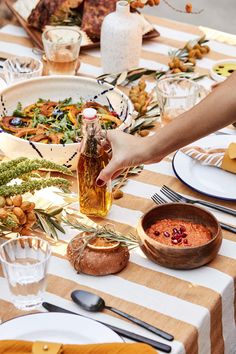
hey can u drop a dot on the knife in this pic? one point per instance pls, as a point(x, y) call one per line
point(122, 332)
point(228, 227)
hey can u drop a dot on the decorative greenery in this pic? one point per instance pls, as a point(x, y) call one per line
point(26, 166)
point(49, 221)
point(33, 185)
point(141, 3)
point(22, 167)
point(121, 180)
point(46, 220)
point(106, 231)
point(188, 8)
point(5, 166)
point(18, 177)
point(184, 59)
point(127, 77)
point(182, 63)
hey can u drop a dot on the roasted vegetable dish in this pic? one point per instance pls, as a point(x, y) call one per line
point(52, 122)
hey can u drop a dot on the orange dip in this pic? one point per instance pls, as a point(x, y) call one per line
point(180, 233)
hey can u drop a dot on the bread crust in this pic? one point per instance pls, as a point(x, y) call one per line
point(93, 16)
point(97, 262)
point(45, 9)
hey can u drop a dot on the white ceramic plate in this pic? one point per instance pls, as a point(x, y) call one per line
point(208, 180)
point(57, 327)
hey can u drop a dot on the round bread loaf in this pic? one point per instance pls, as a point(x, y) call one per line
point(97, 261)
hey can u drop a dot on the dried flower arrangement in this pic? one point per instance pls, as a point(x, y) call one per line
point(20, 176)
point(181, 62)
point(135, 4)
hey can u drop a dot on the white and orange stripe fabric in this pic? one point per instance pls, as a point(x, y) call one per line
point(198, 307)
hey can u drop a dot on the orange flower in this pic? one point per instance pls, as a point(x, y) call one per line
point(153, 2)
point(137, 3)
point(188, 8)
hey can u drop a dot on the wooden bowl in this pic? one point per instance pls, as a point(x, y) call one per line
point(180, 257)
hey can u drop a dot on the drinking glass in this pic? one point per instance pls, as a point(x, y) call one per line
point(175, 96)
point(24, 262)
point(21, 68)
point(61, 46)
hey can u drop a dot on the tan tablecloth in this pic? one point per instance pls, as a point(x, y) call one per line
point(197, 307)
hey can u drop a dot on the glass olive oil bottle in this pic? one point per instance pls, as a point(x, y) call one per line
point(94, 200)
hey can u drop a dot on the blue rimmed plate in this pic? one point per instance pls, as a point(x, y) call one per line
point(208, 180)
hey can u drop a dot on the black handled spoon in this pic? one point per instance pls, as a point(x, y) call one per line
point(93, 303)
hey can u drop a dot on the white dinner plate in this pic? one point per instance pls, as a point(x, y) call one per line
point(208, 180)
point(57, 327)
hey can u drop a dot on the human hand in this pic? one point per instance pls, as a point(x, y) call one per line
point(127, 150)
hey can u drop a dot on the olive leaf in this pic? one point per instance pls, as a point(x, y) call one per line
point(48, 222)
point(127, 77)
point(123, 177)
point(121, 78)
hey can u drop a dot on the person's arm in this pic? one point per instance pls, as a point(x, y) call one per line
point(216, 111)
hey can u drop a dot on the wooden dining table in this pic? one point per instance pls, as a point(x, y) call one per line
point(197, 306)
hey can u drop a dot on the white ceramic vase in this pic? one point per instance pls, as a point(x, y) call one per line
point(121, 40)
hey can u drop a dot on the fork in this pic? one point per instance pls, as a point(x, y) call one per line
point(176, 197)
point(159, 200)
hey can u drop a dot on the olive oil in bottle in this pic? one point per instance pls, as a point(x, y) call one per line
point(94, 200)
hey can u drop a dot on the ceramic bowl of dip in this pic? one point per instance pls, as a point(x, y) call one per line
point(179, 235)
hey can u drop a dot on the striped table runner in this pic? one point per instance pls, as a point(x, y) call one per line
point(198, 306)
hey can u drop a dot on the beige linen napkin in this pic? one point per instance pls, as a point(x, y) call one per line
point(221, 158)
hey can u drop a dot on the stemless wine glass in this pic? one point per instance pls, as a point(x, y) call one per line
point(24, 262)
point(21, 68)
point(62, 46)
point(175, 96)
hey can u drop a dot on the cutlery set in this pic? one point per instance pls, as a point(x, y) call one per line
point(178, 198)
point(93, 303)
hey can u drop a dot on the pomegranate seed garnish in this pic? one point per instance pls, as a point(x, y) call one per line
point(185, 241)
point(182, 228)
point(184, 235)
point(166, 234)
point(173, 238)
point(156, 233)
point(175, 230)
point(180, 240)
point(174, 242)
point(178, 236)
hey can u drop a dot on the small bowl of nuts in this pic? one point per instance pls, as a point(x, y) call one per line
point(179, 235)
